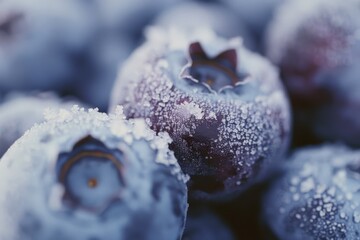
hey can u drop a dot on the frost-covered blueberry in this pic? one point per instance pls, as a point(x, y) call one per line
point(318, 195)
point(222, 20)
point(316, 45)
point(202, 223)
point(87, 175)
point(20, 112)
point(224, 107)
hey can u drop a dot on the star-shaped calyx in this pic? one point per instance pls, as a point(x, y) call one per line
point(91, 175)
point(214, 73)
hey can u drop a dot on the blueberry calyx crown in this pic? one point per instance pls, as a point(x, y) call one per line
point(91, 175)
point(217, 73)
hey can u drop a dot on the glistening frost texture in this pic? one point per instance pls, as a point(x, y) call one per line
point(154, 183)
point(244, 130)
point(317, 198)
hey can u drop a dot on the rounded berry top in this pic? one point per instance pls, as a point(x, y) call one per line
point(317, 197)
point(224, 107)
point(90, 175)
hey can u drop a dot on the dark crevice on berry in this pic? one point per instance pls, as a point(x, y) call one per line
point(206, 184)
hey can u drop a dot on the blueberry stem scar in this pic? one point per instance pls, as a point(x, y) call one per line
point(92, 183)
point(216, 73)
point(84, 154)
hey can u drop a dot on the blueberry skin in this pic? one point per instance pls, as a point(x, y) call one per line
point(225, 141)
point(317, 197)
point(42, 192)
point(20, 112)
point(318, 55)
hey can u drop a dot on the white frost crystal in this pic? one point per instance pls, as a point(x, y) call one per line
point(230, 137)
point(323, 201)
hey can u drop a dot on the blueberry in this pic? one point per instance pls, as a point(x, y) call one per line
point(88, 175)
point(224, 107)
point(222, 20)
point(20, 112)
point(317, 197)
point(314, 43)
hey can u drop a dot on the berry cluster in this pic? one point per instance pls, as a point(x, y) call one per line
point(171, 120)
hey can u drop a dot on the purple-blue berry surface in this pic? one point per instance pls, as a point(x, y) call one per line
point(316, 45)
point(317, 197)
point(224, 107)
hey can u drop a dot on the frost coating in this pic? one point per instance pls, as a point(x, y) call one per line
point(153, 182)
point(226, 139)
point(317, 198)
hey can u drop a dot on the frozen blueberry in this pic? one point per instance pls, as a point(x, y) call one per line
point(202, 223)
point(224, 107)
point(318, 195)
point(317, 47)
point(87, 175)
point(19, 113)
point(222, 20)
